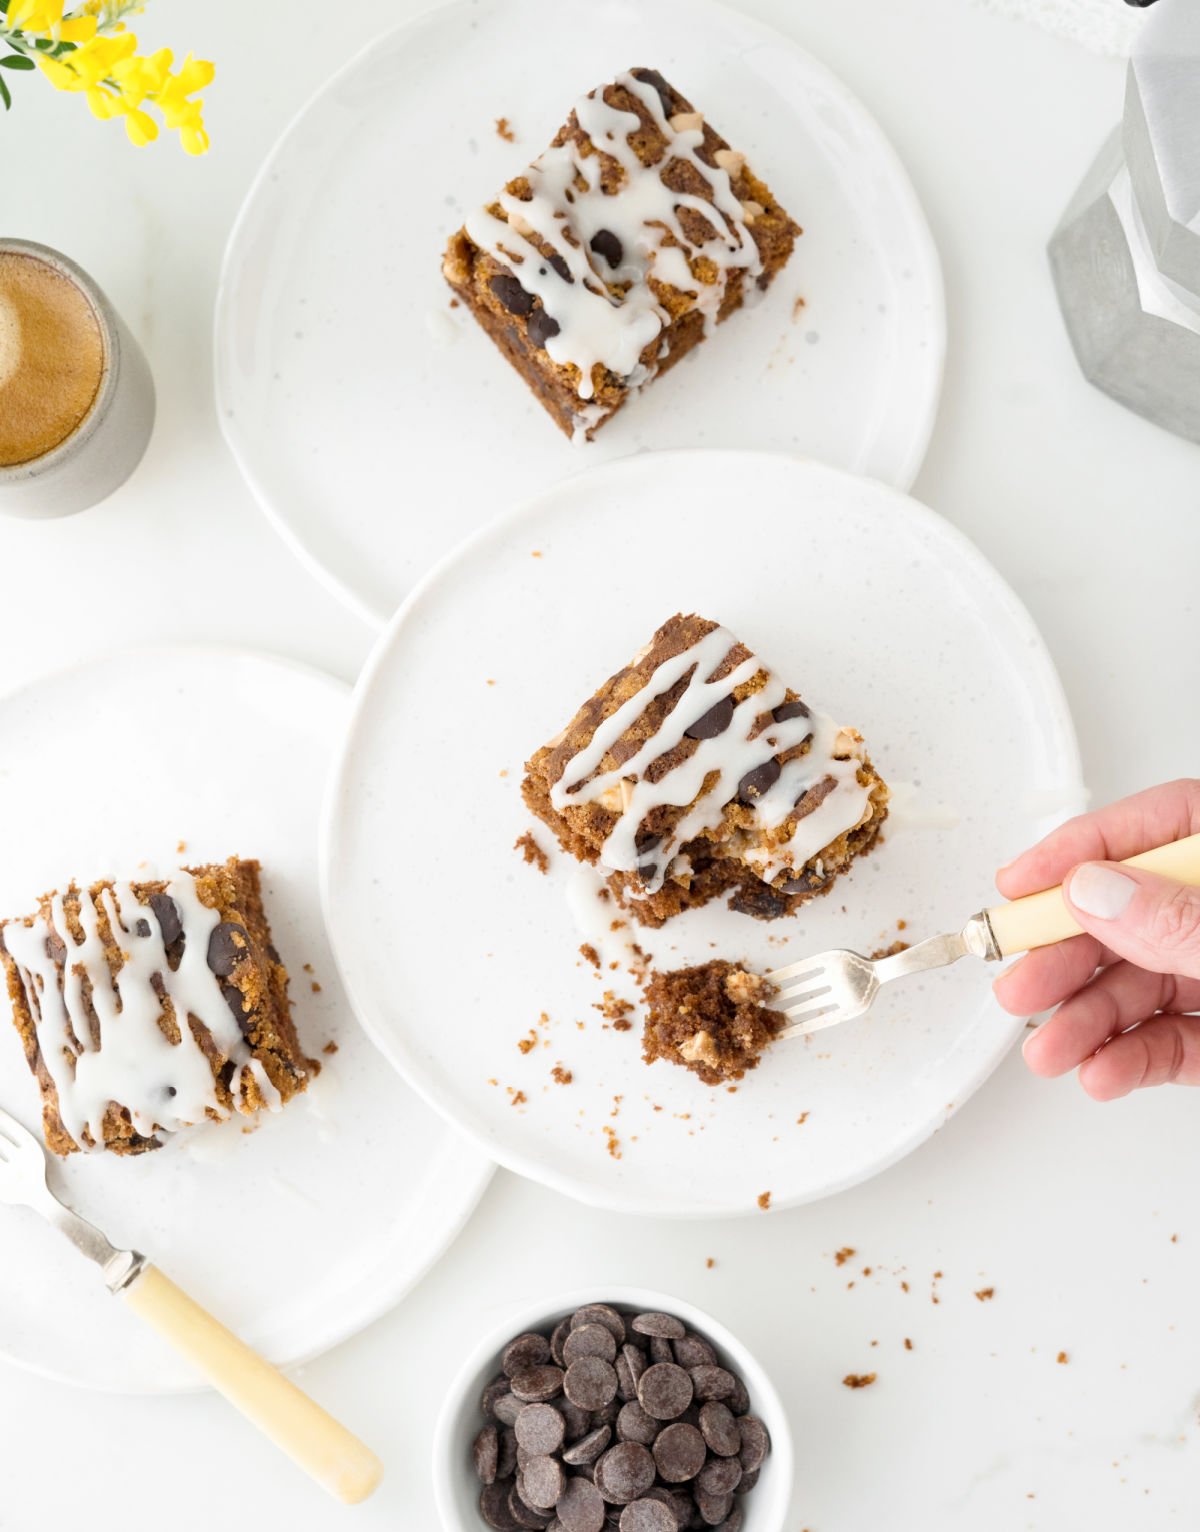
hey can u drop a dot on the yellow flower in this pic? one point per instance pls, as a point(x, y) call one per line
point(46, 16)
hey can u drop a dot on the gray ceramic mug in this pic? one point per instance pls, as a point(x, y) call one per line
point(108, 442)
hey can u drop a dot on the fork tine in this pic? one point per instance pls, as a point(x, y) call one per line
point(807, 968)
point(789, 1004)
point(802, 1018)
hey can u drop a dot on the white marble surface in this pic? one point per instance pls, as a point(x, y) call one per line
point(1067, 1209)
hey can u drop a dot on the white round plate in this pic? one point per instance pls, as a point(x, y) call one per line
point(377, 426)
point(302, 1231)
point(454, 949)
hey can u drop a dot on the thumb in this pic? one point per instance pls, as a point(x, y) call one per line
point(1151, 921)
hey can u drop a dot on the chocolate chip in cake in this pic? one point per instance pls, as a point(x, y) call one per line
point(634, 1425)
point(591, 1383)
point(541, 1481)
point(645, 840)
point(485, 1453)
point(555, 260)
point(712, 1382)
point(755, 1443)
point(694, 1351)
point(646, 870)
point(665, 1390)
point(141, 928)
point(787, 710)
point(493, 1507)
point(714, 722)
point(624, 1473)
point(588, 1448)
point(534, 1385)
point(511, 294)
point(580, 1507)
point(664, 1325)
point(542, 327)
point(540, 1429)
point(235, 1000)
point(605, 243)
point(590, 1340)
point(648, 1516)
point(758, 782)
point(720, 1429)
point(170, 925)
point(600, 1314)
point(679, 1453)
point(719, 1476)
point(665, 94)
point(227, 946)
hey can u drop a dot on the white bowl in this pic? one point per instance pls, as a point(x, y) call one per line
point(456, 1487)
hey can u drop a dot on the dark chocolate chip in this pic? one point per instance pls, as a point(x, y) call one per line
point(646, 840)
point(542, 327)
point(141, 927)
point(624, 1473)
point(755, 1443)
point(665, 1391)
point(540, 1429)
point(600, 1314)
point(507, 1462)
point(648, 1516)
point(660, 1349)
point(760, 901)
point(589, 1340)
point(748, 1481)
point(679, 1453)
point(511, 294)
point(712, 1382)
point(234, 999)
point(528, 1350)
point(227, 946)
point(56, 948)
point(634, 1425)
point(560, 266)
point(665, 94)
point(605, 242)
point(663, 1325)
point(739, 1400)
point(719, 1476)
point(535, 1385)
point(732, 1522)
point(710, 724)
point(713, 1508)
point(541, 1481)
point(588, 1448)
point(485, 1452)
point(580, 1507)
point(523, 1514)
point(561, 1331)
point(579, 1422)
point(166, 912)
point(646, 870)
point(759, 781)
point(694, 1351)
point(590, 1383)
point(808, 882)
point(787, 710)
point(493, 1507)
point(507, 1407)
point(720, 1429)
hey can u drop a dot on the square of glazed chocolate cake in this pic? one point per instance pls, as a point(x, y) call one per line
point(695, 771)
point(616, 251)
point(147, 1007)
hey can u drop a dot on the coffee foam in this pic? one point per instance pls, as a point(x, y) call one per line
point(52, 357)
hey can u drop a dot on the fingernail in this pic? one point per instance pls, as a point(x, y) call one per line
point(1101, 891)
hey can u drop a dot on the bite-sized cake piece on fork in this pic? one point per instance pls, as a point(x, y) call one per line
point(146, 1007)
point(618, 249)
point(695, 770)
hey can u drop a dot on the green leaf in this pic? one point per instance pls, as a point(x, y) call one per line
point(16, 61)
point(4, 96)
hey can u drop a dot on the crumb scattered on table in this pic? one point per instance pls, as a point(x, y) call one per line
point(908, 1345)
point(531, 851)
point(561, 1076)
point(985, 1293)
point(589, 952)
point(709, 1263)
point(504, 130)
point(1062, 1358)
point(529, 1042)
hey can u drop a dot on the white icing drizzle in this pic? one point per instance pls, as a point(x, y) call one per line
point(627, 791)
point(163, 1085)
point(595, 325)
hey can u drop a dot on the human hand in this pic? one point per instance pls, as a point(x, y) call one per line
point(1138, 965)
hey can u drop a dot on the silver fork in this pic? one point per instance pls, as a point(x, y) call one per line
point(833, 987)
point(320, 1445)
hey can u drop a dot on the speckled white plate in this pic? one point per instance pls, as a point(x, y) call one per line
point(377, 426)
point(453, 948)
point(296, 1234)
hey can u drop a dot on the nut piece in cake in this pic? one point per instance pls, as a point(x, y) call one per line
point(618, 249)
point(695, 771)
point(147, 1007)
point(714, 1020)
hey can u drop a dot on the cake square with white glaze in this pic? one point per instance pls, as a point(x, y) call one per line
point(618, 249)
point(694, 771)
point(147, 1007)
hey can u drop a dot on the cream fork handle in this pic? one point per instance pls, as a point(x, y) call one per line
point(1039, 920)
point(316, 1442)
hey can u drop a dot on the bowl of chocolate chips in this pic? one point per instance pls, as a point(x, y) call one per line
point(610, 1409)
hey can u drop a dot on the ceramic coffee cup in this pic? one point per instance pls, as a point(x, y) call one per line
point(106, 444)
